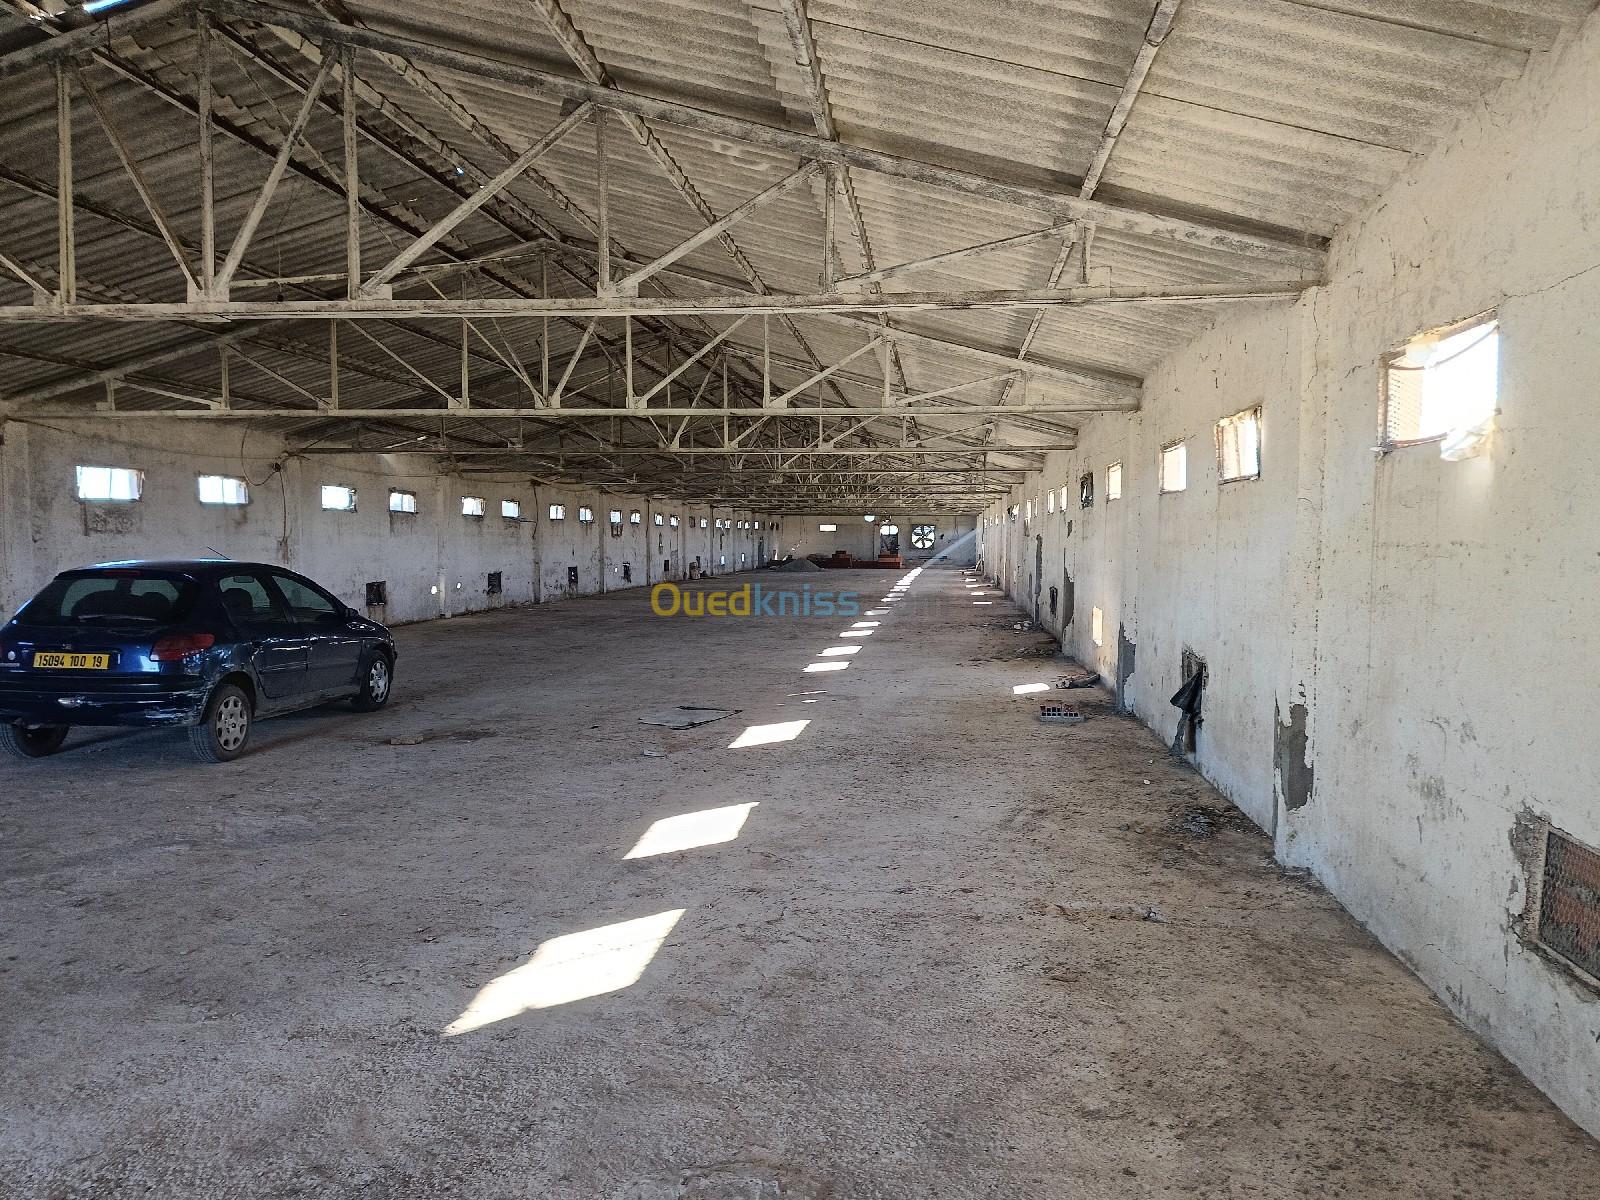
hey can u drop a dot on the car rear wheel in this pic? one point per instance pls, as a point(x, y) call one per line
point(376, 683)
point(222, 736)
point(31, 741)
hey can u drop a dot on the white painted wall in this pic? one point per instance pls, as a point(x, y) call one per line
point(1438, 620)
point(435, 563)
point(801, 535)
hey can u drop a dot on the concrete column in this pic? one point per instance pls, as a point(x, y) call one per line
point(18, 581)
point(536, 544)
point(441, 515)
point(1295, 699)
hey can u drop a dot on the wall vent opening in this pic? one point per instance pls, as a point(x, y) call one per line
point(378, 593)
point(1569, 904)
point(494, 585)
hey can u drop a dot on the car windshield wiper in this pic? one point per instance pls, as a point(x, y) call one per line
point(117, 617)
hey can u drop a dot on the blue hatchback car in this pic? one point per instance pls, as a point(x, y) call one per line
point(210, 645)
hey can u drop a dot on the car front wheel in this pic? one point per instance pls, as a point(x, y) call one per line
point(376, 683)
point(31, 741)
point(222, 736)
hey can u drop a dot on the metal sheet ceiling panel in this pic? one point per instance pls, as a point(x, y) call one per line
point(1275, 115)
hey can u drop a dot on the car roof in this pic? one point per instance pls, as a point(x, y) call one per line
point(182, 566)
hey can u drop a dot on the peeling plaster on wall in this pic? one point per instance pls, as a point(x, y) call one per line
point(1127, 662)
point(1522, 896)
point(1296, 776)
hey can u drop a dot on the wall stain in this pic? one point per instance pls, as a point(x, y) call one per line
point(1296, 776)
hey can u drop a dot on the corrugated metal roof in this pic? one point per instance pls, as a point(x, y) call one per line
point(1280, 116)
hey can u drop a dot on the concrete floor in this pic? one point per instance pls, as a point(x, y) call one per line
point(917, 971)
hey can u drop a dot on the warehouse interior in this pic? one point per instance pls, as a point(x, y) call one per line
point(1131, 463)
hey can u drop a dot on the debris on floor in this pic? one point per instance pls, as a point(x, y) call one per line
point(1022, 626)
point(796, 566)
point(1069, 682)
point(441, 735)
point(687, 716)
point(1083, 909)
point(1060, 714)
point(1044, 650)
point(1201, 821)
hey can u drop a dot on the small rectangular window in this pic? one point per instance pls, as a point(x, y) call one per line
point(1086, 489)
point(659, 519)
point(1239, 446)
point(338, 498)
point(1174, 467)
point(1050, 502)
point(827, 529)
point(223, 489)
point(673, 522)
point(402, 502)
point(511, 510)
point(1443, 385)
point(702, 522)
point(1097, 630)
point(493, 585)
point(558, 512)
point(616, 516)
point(472, 506)
point(1114, 481)
point(377, 593)
point(585, 513)
point(634, 517)
point(110, 485)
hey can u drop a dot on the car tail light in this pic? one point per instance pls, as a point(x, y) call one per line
point(177, 646)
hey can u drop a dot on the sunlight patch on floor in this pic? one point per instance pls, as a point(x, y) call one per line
point(572, 967)
point(689, 831)
point(778, 731)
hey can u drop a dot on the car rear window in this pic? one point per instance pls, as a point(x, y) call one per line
point(111, 597)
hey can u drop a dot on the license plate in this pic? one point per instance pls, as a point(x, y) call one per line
point(62, 661)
